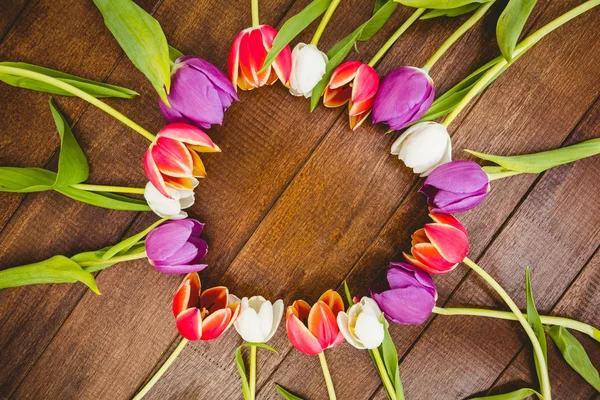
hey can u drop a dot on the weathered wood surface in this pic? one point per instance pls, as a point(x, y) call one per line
point(295, 204)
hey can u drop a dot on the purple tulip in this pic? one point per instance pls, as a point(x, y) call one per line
point(175, 248)
point(200, 93)
point(404, 95)
point(408, 296)
point(456, 186)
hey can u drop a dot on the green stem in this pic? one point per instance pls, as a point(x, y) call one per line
point(252, 374)
point(507, 315)
point(255, 21)
point(328, 13)
point(521, 48)
point(537, 348)
point(104, 188)
point(79, 93)
point(327, 376)
point(390, 42)
point(500, 175)
point(115, 260)
point(385, 378)
point(162, 370)
point(477, 15)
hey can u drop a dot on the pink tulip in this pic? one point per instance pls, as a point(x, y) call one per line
point(247, 55)
point(172, 160)
point(203, 316)
point(354, 83)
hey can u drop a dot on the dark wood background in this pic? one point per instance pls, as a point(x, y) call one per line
point(295, 204)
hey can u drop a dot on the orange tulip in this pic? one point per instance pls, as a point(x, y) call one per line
point(314, 329)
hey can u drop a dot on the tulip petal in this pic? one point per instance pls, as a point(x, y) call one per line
point(283, 62)
point(301, 309)
point(215, 298)
point(190, 135)
point(465, 204)
point(180, 183)
point(357, 120)
point(233, 62)
point(419, 237)
point(322, 324)
point(413, 261)
point(299, 335)
point(344, 324)
point(458, 176)
point(172, 158)
point(189, 324)
point(187, 294)
point(153, 173)
point(198, 169)
point(180, 269)
point(448, 219)
point(333, 300)
point(333, 98)
point(429, 255)
point(166, 240)
point(365, 84)
point(215, 324)
point(213, 73)
point(344, 74)
point(369, 330)
point(407, 306)
point(451, 243)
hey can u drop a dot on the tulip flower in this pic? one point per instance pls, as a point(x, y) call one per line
point(203, 315)
point(200, 93)
point(438, 247)
point(247, 55)
point(456, 187)
point(407, 297)
point(176, 248)
point(172, 161)
point(423, 147)
point(354, 83)
point(308, 67)
point(362, 326)
point(404, 95)
point(259, 319)
point(169, 206)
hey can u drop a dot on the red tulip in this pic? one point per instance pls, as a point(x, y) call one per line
point(354, 83)
point(203, 316)
point(247, 55)
point(312, 330)
point(437, 248)
point(171, 161)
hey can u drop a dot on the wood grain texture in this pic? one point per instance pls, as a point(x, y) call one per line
point(294, 204)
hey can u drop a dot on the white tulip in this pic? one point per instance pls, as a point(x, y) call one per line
point(165, 207)
point(424, 147)
point(362, 326)
point(258, 319)
point(308, 67)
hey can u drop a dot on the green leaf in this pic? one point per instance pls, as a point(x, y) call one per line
point(128, 243)
point(141, 38)
point(105, 200)
point(348, 295)
point(539, 162)
point(286, 394)
point(516, 395)
point(72, 164)
point(25, 180)
point(174, 54)
point(96, 89)
point(340, 50)
point(92, 261)
point(239, 360)
point(574, 354)
point(536, 323)
point(511, 23)
point(57, 269)
point(390, 360)
point(292, 28)
point(439, 4)
point(378, 5)
point(450, 12)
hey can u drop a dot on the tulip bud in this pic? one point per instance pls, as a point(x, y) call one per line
point(176, 248)
point(314, 329)
point(354, 83)
point(259, 319)
point(203, 315)
point(456, 187)
point(423, 147)
point(308, 67)
point(408, 296)
point(169, 207)
point(438, 248)
point(362, 326)
point(200, 93)
point(404, 95)
point(247, 55)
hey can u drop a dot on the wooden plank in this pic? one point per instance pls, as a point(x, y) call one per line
point(10, 13)
point(579, 302)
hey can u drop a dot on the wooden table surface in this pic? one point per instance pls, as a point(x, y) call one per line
point(295, 204)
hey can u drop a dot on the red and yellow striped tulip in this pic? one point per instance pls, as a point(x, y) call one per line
point(172, 160)
point(439, 247)
point(314, 329)
point(203, 316)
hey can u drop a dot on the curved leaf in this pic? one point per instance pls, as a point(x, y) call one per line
point(292, 28)
point(516, 395)
point(141, 38)
point(390, 359)
point(450, 12)
point(96, 89)
point(105, 200)
point(287, 394)
point(57, 269)
point(439, 4)
point(25, 180)
point(536, 323)
point(92, 261)
point(511, 23)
